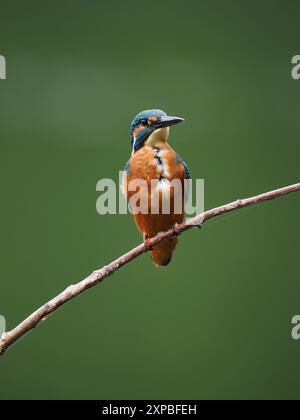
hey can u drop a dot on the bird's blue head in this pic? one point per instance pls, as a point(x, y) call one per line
point(146, 122)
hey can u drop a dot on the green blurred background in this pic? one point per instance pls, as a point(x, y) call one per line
point(217, 322)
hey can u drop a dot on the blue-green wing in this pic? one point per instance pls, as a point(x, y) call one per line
point(127, 168)
point(187, 176)
point(185, 165)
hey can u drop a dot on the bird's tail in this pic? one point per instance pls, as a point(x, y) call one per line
point(162, 253)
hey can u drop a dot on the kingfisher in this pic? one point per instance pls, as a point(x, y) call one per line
point(154, 167)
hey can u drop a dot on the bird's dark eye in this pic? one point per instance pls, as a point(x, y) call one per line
point(144, 122)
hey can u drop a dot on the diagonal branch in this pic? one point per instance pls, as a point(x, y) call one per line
point(9, 338)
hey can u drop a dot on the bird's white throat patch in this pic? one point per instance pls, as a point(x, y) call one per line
point(160, 135)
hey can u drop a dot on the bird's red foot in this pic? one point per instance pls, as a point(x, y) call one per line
point(176, 229)
point(147, 243)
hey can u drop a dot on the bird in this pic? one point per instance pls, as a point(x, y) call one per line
point(153, 163)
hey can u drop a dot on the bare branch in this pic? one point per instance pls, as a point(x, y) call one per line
point(7, 339)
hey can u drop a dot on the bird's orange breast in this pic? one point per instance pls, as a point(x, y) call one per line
point(156, 166)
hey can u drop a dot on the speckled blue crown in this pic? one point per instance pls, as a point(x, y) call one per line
point(145, 115)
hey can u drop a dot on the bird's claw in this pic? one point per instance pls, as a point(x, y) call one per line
point(176, 229)
point(147, 243)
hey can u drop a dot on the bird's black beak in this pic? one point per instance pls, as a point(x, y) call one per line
point(167, 121)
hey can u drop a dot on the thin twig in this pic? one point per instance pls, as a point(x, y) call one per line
point(9, 338)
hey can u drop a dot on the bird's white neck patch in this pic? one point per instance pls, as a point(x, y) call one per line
point(133, 145)
point(160, 135)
